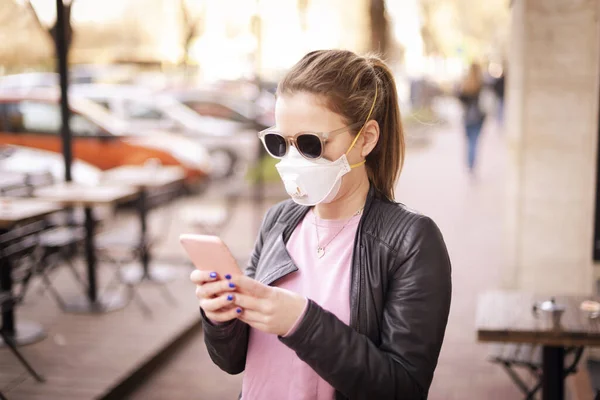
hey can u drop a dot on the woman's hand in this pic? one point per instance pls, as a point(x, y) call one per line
point(266, 308)
point(215, 295)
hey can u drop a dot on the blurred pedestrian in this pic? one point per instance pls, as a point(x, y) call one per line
point(469, 94)
point(352, 290)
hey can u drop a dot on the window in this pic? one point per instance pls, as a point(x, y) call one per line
point(210, 109)
point(34, 117)
point(81, 126)
point(138, 110)
point(103, 103)
point(41, 117)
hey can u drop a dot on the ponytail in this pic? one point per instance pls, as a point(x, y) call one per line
point(384, 163)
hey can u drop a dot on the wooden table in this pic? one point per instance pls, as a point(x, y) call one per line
point(507, 317)
point(13, 212)
point(145, 178)
point(78, 195)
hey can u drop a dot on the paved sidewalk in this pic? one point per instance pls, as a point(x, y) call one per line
point(470, 216)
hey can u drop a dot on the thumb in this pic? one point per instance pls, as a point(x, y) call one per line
point(251, 286)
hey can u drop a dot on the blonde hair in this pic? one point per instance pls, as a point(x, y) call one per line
point(348, 84)
point(473, 81)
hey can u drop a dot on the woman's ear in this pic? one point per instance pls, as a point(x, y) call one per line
point(370, 136)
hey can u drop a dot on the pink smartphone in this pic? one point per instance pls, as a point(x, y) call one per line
point(210, 253)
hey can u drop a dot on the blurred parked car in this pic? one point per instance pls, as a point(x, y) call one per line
point(258, 114)
point(25, 160)
point(33, 120)
point(39, 80)
point(28, 80)
point(231, 144)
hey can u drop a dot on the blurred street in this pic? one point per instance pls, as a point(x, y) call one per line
point(120, 130)
point(469, 214)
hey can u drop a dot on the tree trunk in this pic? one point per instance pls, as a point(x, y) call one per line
point(379, 27)
point(68, 27)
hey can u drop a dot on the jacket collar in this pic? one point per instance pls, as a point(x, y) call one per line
point(277, 261)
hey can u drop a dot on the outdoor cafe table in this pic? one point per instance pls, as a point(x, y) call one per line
point(145, 178)
point(507, 317)
point(77, 195)
point(14, 211)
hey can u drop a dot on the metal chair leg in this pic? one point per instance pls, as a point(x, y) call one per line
point(24, 286)
point(134, 294)
point(11, 345)
point(53, 292)
point(534, 390)
point(516, 379)
point(168, 295)
point(76, 274)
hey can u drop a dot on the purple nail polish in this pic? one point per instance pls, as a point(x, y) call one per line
point(227, 276)
point(239, 311)
point(230, 297)
point(213, 275)
point(231, 285)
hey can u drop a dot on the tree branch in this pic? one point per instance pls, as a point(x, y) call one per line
point(36, 17)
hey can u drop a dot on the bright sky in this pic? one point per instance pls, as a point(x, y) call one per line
point(83, 10)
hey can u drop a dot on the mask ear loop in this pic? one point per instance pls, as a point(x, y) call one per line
point(361, 129)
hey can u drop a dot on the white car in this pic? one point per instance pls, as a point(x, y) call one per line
point(25, 160)
point(232, 145)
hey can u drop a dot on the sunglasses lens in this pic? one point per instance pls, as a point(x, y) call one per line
point(275, 144)
point(309, 146)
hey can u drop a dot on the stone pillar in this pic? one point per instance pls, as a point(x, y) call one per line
point(552, 133)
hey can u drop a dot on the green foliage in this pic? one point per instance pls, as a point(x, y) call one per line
point(267, 166)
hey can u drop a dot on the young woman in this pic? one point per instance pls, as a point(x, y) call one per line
point(469, 92)
point(347, 292)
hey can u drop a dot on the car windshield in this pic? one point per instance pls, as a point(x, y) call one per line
point(101, 116)
point(178, 111)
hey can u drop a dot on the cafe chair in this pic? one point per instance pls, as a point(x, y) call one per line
point(20, 245)
point(12, 248)
point(60, 240)
point(59, 247)
point(6, 300)
point(213, 217)
point(122, 247)
point(42, 251)
point(117, 261)
point(514, 357)
point(127, 238)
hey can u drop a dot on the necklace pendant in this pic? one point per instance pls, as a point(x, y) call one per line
point(320, 252)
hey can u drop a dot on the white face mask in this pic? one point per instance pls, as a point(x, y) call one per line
point(312, 182)
point(318, 181)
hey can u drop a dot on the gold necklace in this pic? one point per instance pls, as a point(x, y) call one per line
point(321, 249)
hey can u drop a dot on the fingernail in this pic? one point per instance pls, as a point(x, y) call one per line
point(231, 285)
point(213, 275)
point(227, 276)
point(230, 297)
point(239, 311)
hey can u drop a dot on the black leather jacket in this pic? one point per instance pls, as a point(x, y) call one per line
point(399, 300)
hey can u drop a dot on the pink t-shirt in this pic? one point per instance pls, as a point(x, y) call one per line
point(273, 371)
